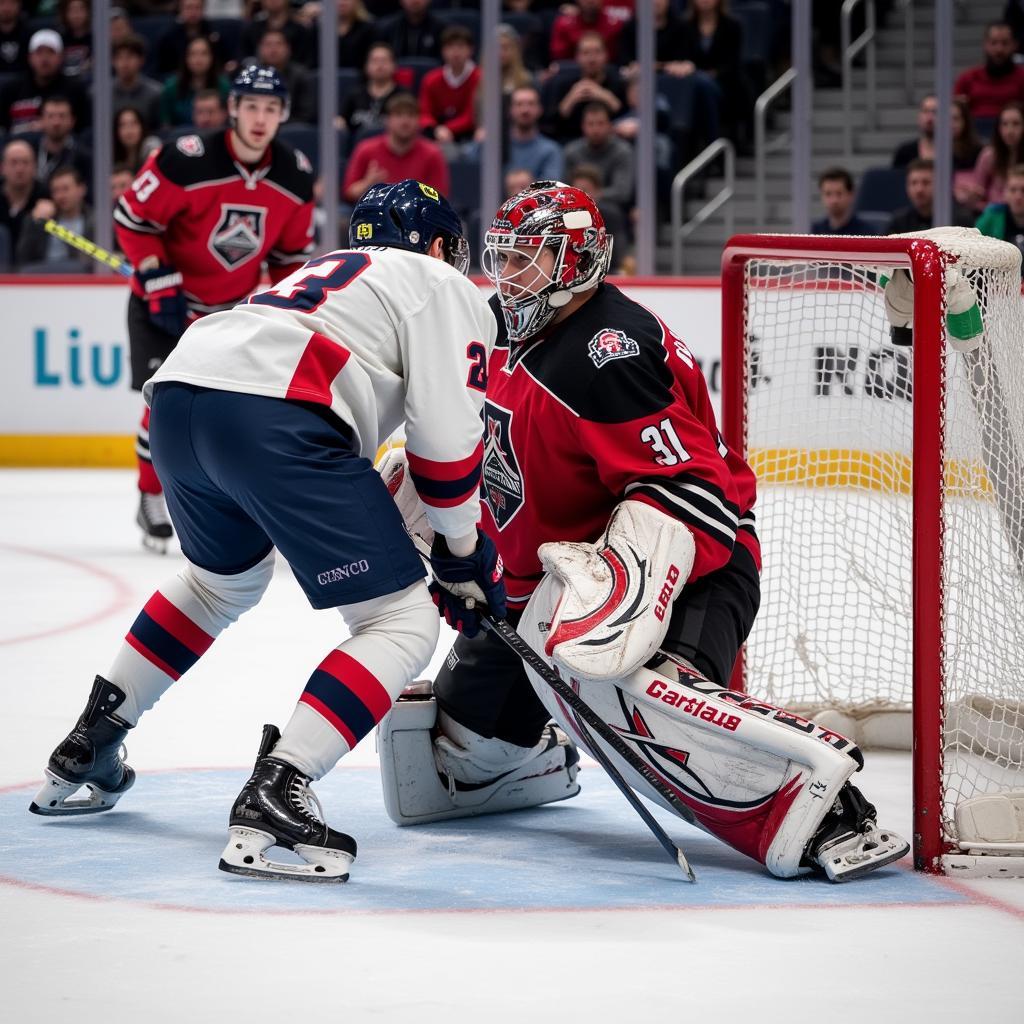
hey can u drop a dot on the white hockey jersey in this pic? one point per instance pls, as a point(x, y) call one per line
point(380, 335)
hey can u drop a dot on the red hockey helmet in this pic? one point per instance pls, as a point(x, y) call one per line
point(548, 217)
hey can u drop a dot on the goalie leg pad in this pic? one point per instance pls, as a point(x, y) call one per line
point(433, 768)
point(992, 823)
point(757, 777)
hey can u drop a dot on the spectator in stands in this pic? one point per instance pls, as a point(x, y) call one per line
point(22, 97)
point(57, 146)
point(355, 33)
point(20, 191)
point(363, 109)
point(518, 179)
point(67, 206)
point(923, 147)
point(966, 149)
point(414, 32)
point(600, 147)
point(589, 178)
point(131, 143)
point(510, 56)
point(278, 14)
point(627, 124)
point(1006, 150)
point(448, 93)
point(76, 31)
point(597, 81)
point(668, 33)
point(538, 155)
point(120, 26)
point(14, 37)
point(209, 113)
point(990, 86)
point(190, 24)
point(401, 152)
point(1005, 220)
point(198, 69)
point(921, 193)
point(131, 88)
point(121, 178)
point(835, 186)
point(274, 50)
point(606, 20)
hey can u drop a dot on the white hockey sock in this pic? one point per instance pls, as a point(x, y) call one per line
point(177, 626)
point(354, 687)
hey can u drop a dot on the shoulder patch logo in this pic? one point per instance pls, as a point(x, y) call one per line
point(502, 479)
point(190, 145)
point(610, 344)
point(303, 162)
point(239, 234)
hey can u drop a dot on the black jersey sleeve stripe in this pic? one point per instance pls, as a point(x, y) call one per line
point(688, 485)
point(128, 220)
point(689, 509)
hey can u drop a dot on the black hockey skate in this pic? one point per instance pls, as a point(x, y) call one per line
point(154, 522)
point(277, 808)
point(848, 843)
point(90, 756)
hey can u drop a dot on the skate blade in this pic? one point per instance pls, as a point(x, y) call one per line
point(53, 799)
point(851, 861)
point(245, 855)
point(158, 545)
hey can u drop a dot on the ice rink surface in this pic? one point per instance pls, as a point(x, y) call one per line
point(570, 912)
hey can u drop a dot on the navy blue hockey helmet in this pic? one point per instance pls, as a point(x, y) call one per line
point(409, 215)
point(261, 80)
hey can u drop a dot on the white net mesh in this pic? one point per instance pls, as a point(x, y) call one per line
point(829, 422)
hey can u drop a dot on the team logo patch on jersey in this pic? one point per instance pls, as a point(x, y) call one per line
point(610, 344)
point(191, 145)
point(302, 162)
point(502, 480)
point(238, 236)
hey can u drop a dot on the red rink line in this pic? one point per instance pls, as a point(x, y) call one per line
point(123, 594)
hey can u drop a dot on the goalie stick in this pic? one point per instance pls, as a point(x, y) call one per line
point(501, 629)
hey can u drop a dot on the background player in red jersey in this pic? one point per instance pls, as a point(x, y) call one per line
point(200, 219)
point(626, 527)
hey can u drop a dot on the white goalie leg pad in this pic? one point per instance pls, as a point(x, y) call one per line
point(616, 595)
point(757, 777)
point(394, 470)
point(992, 823)
point(433, 768)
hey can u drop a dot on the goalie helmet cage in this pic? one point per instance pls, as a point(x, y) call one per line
point(890, 508)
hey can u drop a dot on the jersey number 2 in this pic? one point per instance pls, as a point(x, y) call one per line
point(477, 378)
point(306, 289)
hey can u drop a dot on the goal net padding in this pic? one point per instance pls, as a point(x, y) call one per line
point(890, 504)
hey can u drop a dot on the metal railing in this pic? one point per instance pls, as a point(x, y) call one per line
point(851, 50)
point(761, 145)
point(681, 231)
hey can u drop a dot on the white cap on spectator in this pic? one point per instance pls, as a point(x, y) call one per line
point(46, 37)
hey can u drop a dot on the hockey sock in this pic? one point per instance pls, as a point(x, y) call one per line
point(176, 628)
point(353, 688)
point(148, 482)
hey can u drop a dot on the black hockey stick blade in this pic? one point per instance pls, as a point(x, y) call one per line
point(585, 714)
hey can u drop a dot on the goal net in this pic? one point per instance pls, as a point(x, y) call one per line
point(890, 510)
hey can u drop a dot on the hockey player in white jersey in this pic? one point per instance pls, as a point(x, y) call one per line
point(264, 423)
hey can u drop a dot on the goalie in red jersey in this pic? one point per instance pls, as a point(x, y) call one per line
point(626, 527)
point(199, 221)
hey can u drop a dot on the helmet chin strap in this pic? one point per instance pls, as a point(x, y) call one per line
point(559, 299)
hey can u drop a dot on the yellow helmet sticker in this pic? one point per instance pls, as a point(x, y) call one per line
point(364, 230)
point(430, 193)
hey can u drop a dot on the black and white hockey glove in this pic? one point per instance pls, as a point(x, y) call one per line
point(460, 584)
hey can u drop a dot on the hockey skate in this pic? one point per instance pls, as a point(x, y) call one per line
point(277, 808)
point(91, 756)
point(849, 843)
point(154, 522)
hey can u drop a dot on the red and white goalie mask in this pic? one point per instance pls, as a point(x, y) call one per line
point(545, 244)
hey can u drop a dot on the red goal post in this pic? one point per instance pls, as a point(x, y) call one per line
point(890, 487)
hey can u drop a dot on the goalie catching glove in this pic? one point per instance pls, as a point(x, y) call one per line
point(617, 595)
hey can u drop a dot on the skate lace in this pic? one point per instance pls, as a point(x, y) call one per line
point(304, 800)
point(155, 509)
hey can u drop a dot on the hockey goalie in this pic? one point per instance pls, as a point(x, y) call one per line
point(626, 527)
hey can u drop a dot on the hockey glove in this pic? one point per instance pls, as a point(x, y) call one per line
point(461, 583)
point(164, 296)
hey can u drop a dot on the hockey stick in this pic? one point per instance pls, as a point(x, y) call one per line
point(501, 629)
point(82, 244)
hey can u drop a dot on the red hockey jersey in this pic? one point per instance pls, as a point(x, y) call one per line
point(608, 405)
point(196, 207)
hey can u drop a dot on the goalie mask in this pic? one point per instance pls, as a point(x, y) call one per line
point(546, 244)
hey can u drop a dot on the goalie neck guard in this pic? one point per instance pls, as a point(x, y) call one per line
point(549, 216)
